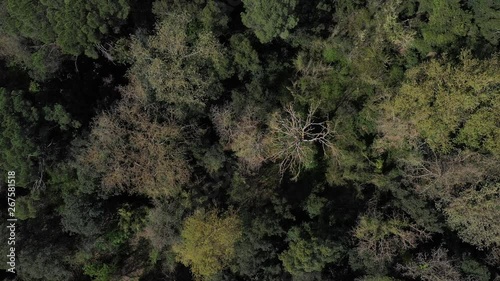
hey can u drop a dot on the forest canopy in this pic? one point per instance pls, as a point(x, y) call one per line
point(251, 140)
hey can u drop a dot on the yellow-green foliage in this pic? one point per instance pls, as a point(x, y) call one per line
point(208, 242)
point(475, 215)
point(453, 104)
point(178, 68)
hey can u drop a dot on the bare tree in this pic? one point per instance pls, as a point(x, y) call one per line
point(291, 138)
point(443, 176)
point(436, 266)
point(381, 239)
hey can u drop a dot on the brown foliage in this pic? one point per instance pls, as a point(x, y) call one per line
point(134, 151)
point(241, 134)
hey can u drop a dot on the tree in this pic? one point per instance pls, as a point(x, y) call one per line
point(270, 19)
point(449, 105)
point(436, 266)
point(83, 215)
point(447, 23)
point(26, 207)
point(41, 62)
point(75, 26)
point(474, 270)
point(42, 249)
point(177, 68)
point(58, 114)
point(487, 19)
point(382, 239)
point(257, 255)
point(309, 255)
point(208, 242)
point(164, 223)
point(246, 57)
point(18, 151)
point(241, 133)
point(133, 150)
point(29, 19)
point(376, 278)
point(474, 215)
point(37, 34)
point(205, 15)
point(291, 139)
point(442, 177)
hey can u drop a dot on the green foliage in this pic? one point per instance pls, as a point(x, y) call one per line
point(18, 152)
point(418, 209)
point(245, 56)
point(82, 215)
point(350, 162)
point(130, 221)
point(487, 19)
point(98, 272)
point(447, 23)
point(30, 19)
point(213, 160)
point(270, 19)
point(309, 255)
point(323, 78)
point(473, 269)
point(43, 265)
point(164, 223)
point(75, 26)
point(257, 256)
point(314, 205)
point(364, 130)
point(26, 208)
point(380, 240)
point(214, 18)
point(58, 114)
point(45, 250)
point(377, 278)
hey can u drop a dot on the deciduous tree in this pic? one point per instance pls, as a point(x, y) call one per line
point(208, 242)
point(292, 138)
point(382, 239)
point(449, 105)
point(475, 214)
point(177, 68)
point(134, 149)
point(436, 266)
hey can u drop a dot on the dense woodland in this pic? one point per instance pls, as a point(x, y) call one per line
point(252, 140)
